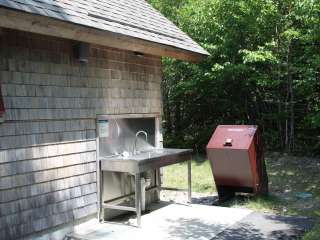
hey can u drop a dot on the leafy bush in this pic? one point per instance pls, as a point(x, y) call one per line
point(263, 70)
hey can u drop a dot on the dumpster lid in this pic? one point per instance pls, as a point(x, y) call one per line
point(232, 137)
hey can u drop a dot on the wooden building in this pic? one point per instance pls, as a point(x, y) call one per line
point(62, 63)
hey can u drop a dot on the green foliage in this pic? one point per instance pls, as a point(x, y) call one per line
point(314, 234)
point(263, 68)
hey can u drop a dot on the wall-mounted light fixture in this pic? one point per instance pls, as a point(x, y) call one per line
point(82, 52)
point(138, 54)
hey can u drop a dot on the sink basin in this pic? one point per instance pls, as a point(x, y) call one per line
point(145, 160)
point(148, 154)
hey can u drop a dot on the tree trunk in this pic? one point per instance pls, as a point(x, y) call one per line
point(177, 117)
point(279, 123)
point(280, 102)
point(290, 101)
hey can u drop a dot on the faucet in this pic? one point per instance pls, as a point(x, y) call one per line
point(136, 139)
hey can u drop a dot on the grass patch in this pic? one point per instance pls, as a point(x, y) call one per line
point(290, 179)
point(314, 234)
point(271, 204)
point(176, 176)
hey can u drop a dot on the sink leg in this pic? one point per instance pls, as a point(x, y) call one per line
point(158, 181)
point(99, 190)
point(138, 198)
point(189, 181)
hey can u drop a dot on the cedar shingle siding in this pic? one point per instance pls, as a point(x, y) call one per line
point(2, 109)
point(47, 142)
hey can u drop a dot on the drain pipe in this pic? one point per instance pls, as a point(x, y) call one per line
point(145, 182)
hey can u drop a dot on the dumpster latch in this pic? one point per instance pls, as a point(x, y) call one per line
point(228, 142)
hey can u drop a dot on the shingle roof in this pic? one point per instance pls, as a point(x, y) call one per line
point(134, 18)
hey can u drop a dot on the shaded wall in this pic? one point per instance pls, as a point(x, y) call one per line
point(48, 139)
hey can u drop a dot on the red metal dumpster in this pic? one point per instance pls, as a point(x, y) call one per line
point(236, 156)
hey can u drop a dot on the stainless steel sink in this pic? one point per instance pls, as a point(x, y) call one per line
point(144, 160)
point(140, 162)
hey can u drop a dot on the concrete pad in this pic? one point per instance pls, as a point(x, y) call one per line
point(169, 221)
point(267, 227)
point(174, 221)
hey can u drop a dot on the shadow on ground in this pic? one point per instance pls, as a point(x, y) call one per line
point(269, 227)
point(260, 225)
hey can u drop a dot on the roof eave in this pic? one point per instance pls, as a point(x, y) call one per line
point(15, 19)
